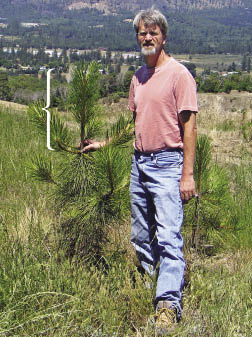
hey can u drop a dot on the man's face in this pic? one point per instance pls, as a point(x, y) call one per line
point(150, 39)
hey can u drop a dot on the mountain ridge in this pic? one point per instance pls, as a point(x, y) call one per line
point(113, 6)
point(105, 24)
point(173, 4)
point(109, 6)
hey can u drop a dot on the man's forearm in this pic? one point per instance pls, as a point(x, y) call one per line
point(187, 184)
point(190, 134)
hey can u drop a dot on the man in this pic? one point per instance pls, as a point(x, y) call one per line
point(163, 100)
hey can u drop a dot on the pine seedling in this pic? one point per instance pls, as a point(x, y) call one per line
point(60, 135)
point(209, 209)
point(41, 169)
point(121, 132)
point(84, 95)
point(91, 189)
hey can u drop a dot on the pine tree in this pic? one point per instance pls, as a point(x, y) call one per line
point(209, 211)
point(90, 189)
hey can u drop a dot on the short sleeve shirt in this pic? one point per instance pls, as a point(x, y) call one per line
point(156, 97)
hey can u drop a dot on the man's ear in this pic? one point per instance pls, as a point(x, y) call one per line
point(164, 39)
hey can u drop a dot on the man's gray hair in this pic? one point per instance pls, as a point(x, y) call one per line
point(150, 17)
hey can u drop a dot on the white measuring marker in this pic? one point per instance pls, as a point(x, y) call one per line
point(48, 117)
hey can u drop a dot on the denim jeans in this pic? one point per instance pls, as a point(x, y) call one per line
point(157, 216)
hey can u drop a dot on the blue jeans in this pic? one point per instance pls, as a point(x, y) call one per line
point(157, 216)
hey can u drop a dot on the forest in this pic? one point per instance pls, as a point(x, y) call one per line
point(204, 31)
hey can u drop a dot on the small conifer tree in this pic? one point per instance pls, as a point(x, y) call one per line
point(209, 210)
point(90, 189)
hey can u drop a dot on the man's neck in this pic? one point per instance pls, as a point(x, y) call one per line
point(156, 60)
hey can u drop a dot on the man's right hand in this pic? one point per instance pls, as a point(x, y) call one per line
point(90, 145)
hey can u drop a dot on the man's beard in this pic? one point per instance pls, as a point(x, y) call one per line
point(148, 51)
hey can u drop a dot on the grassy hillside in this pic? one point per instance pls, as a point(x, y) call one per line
point(44, 293)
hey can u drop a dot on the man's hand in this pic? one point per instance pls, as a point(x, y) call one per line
point(90, 145)
point(187, 188)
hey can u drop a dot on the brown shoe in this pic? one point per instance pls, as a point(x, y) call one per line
point(166, 318)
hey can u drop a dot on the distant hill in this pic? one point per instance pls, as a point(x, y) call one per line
point(208, 26)
point(52, 8)
point(113, 6)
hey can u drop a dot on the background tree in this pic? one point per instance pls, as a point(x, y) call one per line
point(192, 68)
point(127, 80)
point(232, 67)
point(5, 91)
point(244, 62)
point(249, 65)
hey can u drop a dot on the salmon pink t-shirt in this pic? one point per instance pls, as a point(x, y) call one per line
point(156, 97)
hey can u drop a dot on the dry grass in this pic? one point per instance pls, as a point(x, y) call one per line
point(13, 106)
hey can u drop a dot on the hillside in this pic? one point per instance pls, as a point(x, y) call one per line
point(48, 8)
point(209, 26)
point(114, 5)
point(46, 293)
